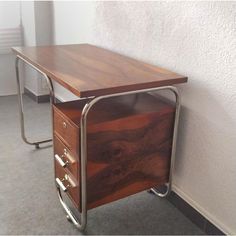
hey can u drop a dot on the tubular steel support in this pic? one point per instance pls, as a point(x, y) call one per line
point(81, 223)
point(173, 151)
point(20, 100)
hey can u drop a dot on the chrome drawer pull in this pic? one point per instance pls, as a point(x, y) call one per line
point(68, 156)
point(64, 125)
point(61, 185)
point(67, 179)
point(60, 161)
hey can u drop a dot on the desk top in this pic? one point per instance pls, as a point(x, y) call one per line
point(87, 70)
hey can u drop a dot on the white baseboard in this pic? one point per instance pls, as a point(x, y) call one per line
point(202, 211)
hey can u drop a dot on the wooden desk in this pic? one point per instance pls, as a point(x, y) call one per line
point(116, 141)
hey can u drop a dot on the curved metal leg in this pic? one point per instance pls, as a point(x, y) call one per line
point(159, 193)
point(20, 100)
point(70, 216)
point(81, 223)
point(173, 151)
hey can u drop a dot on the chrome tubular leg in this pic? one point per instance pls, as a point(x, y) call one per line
point(81, 224)
point(173, 151)
point(69, 213)
point(20, 100)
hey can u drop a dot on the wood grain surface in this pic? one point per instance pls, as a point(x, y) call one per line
point(66, 130)
point(128, 142)
point(87, 70)
point(127, 156)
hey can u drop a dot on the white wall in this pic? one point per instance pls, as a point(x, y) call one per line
point(73, 23)
point(9, 14)
point(7, 75)
point(37, 30)
point(196, 39)
point(29, 38)
point(9, 18)
point(36, 21)
point(43, 34)
point(43, 22)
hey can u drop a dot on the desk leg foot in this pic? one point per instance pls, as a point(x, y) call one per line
point(78, 223)
point(159, 192)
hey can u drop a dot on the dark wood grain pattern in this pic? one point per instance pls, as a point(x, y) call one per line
point(129, 145)
point(87, 70)
point(130, 159)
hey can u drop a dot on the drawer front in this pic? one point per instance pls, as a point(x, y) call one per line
point(68, 132)
point(65, 158)
point(68, 184)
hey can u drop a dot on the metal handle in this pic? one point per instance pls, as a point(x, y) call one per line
point(70, 158)
point(60, 161)
point(61, 185)
point(67, 179)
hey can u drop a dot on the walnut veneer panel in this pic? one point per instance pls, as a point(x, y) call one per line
point(129, 142)
point(87, 70)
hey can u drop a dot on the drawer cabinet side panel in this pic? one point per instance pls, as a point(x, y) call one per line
point(123, 161)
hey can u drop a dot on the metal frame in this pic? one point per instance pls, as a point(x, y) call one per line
point(173, 150)
point(20, 100)
point(81, 223)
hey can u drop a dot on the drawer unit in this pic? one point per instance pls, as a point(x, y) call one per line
point(65, 158)
point(129, 141)
point(68, 184)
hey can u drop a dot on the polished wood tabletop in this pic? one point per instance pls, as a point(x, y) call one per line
point(87, 70)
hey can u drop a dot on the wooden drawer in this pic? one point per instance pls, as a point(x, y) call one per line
point(66, 130)
point(72, 186)
point(62, 153)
